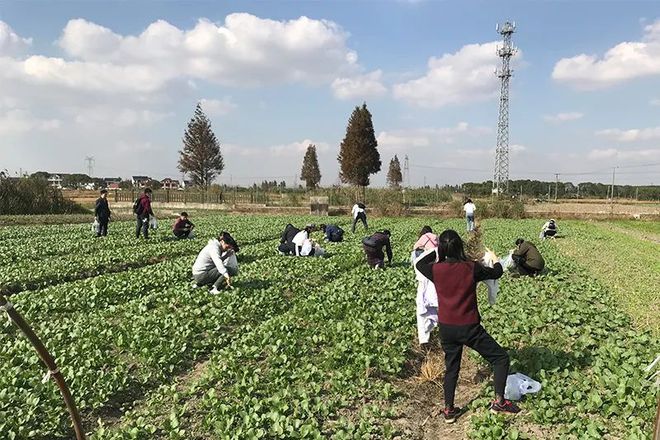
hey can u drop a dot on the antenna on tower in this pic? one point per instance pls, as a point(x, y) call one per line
point(501, 174)
point(406, 172)
point(90, 165)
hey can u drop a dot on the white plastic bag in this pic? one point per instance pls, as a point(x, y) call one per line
point(153, 222)
point(507, 262)
point(493, 285)
point(96, 226)
point(517, 385)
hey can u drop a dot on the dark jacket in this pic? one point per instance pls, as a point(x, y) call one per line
point(182, 225)
point(289, 232)
point(456, 284)
point(145, 206)
point(102, 210)
point(528, 255)
point(334, 233)
point(373, 246)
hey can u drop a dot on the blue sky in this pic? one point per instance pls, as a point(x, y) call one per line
point(119, 81)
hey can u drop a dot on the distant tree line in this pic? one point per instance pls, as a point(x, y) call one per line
point(565, 190)
point(33, 195)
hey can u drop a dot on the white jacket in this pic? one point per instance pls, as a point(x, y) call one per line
point(426, 300)
point(211, 257)
point(356, 210)
point(299, 240)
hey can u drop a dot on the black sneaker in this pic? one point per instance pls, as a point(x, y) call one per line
point(451, 414)
point(504, 407)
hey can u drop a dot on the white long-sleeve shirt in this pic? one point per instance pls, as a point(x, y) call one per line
point(356, 210)
point(209, 257)
point(469, 208)
point(299, 240)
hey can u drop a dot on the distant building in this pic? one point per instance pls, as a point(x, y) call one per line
point(186, 184)
point(168, 183)
point(111, 182)
point(140, 181)
point(55, 180)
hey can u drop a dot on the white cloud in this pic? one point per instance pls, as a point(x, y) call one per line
point(655, 102)
point(632, 135)
point(474, 153)
point(10, 42)
point(563, 117)
point(614, 153)
point(18, 121)
point(359, 86)
point(625, 61)
point(297, 148)
point(117, 117)
point(404, 140)
point(461, 77)
point(217, 107)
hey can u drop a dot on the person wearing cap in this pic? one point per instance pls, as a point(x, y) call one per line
point(183, 227)
point(102, 213)
point(549, 229)
point(286, 246)
point(359, 213)
point(333, 233)
point(216, 263)
point(527, 258)
point(373, 249)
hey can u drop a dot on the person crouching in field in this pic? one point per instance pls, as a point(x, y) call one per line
point(373, 248)
point(549, 229)
point(527, 258)
point(333, 233)
point(102, 213)
point(216, 263)
point(286, 246)
point(183, 227)
point(455, 279)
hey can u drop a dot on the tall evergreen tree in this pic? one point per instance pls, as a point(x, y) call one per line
point(358, 154)
point(394, 177)
point(200, 158)
point(310, 171)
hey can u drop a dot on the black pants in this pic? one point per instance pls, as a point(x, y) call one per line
point(287, 248)
point(524, 269)
point(142, 226)
point(103, 227)
point(360, 216)
point(453, 338)
point(181, 233)
point(549, 233)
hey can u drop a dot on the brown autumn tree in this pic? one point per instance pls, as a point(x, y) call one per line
point(200, 158)
point(394, 176)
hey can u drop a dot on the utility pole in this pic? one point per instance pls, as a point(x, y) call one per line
point(406, 172)
point(556, 184)
point(612, 191)
point(501, 174)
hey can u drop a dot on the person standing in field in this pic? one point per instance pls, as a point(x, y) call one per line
point(373, 249)
point(469, 209)
point(183, 227)
point(359, 213)
point(216, 263)
point(527, 258)
point(143, 211)
point(455, 279)
point(102, 213)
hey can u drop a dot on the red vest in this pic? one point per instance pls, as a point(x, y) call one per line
point(457, 293)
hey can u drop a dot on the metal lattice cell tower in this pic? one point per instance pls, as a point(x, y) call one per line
point(406, 172)
point(90, 165)
point(501, 175)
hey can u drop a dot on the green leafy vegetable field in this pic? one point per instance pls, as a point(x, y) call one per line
point(301, 347)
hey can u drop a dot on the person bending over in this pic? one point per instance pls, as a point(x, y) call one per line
point(286, 246)
point(373, 249)
point(455, 279)
point(183, 227)
point(528, 259)
point(427, 240)
point(549, 230)
point(359, 213)
point(333, 233)
point(300, 239)
point(216, 263)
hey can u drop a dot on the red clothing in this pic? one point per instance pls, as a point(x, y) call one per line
point(182, 224)
point(457, 293)
point(145, 206)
